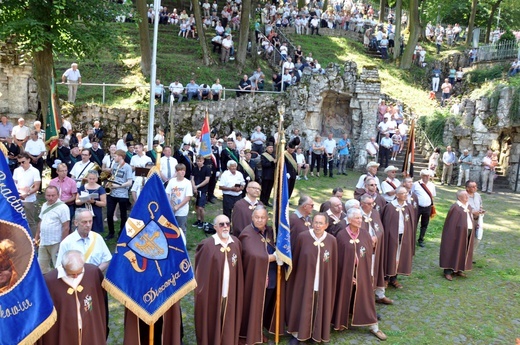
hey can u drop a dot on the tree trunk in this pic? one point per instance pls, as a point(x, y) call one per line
point(206, 57)
point(415, 29)
point(397, 41)
point(471, 23)
point(144, 38)
point(382, 6)
point(491, 19)
point(44, 71)
point(243, 35)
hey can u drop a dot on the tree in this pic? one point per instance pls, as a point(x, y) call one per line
point(382, 7)
point(415, 30)
point(494, 6)
point(471, 24)
point(43, 28)
point(206, 57)
point(144, 37)
point(243, 35)
point(397, 37)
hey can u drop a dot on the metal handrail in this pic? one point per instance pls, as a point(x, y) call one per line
point(104, 85)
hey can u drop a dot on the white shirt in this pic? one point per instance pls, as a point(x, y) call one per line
point(361, 181)
point(386, 187)
point(121, 145)
point(176, 87)
point(51, 223)
point(330, 145)
point(318, 259)
point(139, 161)
point(164, 167)
point(35, 147)
point(99, 255)
point(24, 179)
point(225, 277)
point(72, 75)
point(423, 198)
point(372, 148)
point(227, 179)
point(80, 170)
point(216, 88)
point(20, 133)
point(300, 158)
point(177, 191)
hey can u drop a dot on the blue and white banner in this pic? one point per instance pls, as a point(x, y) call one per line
point(26, 308)
point(151, 269)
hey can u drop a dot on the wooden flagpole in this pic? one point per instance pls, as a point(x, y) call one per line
point(150, 335)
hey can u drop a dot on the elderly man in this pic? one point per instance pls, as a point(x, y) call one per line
point(52, 229)
point(232, 184)
point(6, 128)
point(424, 189)
point(36, 148)
point(300, 220)
point(374, 226)
point(336, 216)
point(390, 184)
point(385, 149)
point(243, 208)
point(27, 180)
point(80, 302)
point(371, 172)
point(258, 140)
point(398, 241)
point(477, 210)
point(268, 162)
point(220, 286)
point(372, 148)
point(465, 166)
point(259, 261)
point(73, 79)
point(20, 133)
point(448, 159)
point(80, 170)
point(371, 189)
point(176, 90)
point(88, 242)
point(168, 164)
point(313, 284)
point(456, 254)
point(354, 283)
point(338, 193)
point(488, 173)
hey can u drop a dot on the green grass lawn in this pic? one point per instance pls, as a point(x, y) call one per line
point(480, 309)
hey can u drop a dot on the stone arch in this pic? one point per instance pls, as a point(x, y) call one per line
point(335, 113)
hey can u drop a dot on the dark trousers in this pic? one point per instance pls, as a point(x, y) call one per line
point(228, 202)
point(328, 165)
point(315, 160)
point(267, 187)
point(38, 165)
point(384, 156)
point(211, 185)
point(111, 207)
point(424, 215)
point(292, 182)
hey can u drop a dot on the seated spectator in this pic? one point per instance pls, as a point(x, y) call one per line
point(206, 23)
point(150, 15)
point(219, 29)
point(257, 80)
point(459, 75)
point(217, 44)
point(159, 90)
point(205, 91)
point(192, 90)
point(288, 65)
point(183, 29)
point(163, 16)
point(176, 90)
point(277, 82)
point(216, 90)
point(286, 80)
point(174, 17)
point(244, 86)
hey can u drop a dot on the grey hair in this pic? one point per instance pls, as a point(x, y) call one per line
point(73, 260)
point(79, 212)
point(352, 203)
point(352, 212)
point(231, 162)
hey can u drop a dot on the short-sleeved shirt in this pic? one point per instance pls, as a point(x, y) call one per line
point(25, 179)
point(66, 188)
point(227, 179)
point(20, 133)
point(100, 253)
point(121, 175)
point(199, 175)
point(72, 75)
point(35, 148)
point(51, 223)
point(5, 130)
point(346, 143)
point(177, 191)
point(330, 145)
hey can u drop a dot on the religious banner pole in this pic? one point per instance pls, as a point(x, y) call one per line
point(150, 335)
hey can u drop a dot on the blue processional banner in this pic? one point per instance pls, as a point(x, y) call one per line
point(283, 237)
point(151, 269)
point(26, 308)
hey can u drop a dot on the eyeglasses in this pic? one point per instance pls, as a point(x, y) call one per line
point(85, 154)
point(224, 224)
point(23, 162)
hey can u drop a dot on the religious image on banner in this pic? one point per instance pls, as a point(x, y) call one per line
point(151, 269)
point(205, 141)
point(26, 308)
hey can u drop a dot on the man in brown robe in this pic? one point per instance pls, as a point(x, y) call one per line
point(310, 303)
point(374, 227)
point(241, 215)
point(80, 301)
point(413, 204)
point(457, 238)
point(354, 284)
point(371, 189)
point(336, 216)
point(398, 226)
point(338, 193)
point(300, 220)
point(259, 262)
point(220, 285)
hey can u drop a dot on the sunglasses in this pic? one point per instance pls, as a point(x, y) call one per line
point(224, 224)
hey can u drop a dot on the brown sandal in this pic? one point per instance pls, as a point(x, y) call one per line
point(396, 284)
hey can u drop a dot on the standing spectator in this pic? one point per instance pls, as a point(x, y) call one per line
point(232, 184)
point(330, 151)
point(94, 204)
point(258, 139)
point(477, 211)
point(438, 43)
point(458, 234)
point(488, 173)
point(397, 141)
point(38, 129)
point(448, 159)
point(73, 79)
point(21, 133)
point(465, 165)
point(459, 75)
point(27, 181)
point(446, 88)
point(424, 189)
point(36, 148)
point(52, 229)
point(268, 162)
point(433, 162)
point(385, 149)
point(179, 192)
point(67, 188)
point(383, 47)
point(168, 164)
point(200, 177)
point(372, 148)
point(451, 75)
point(227, 44)
point(317, 155)
point(436, 77)
point(122, 176)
